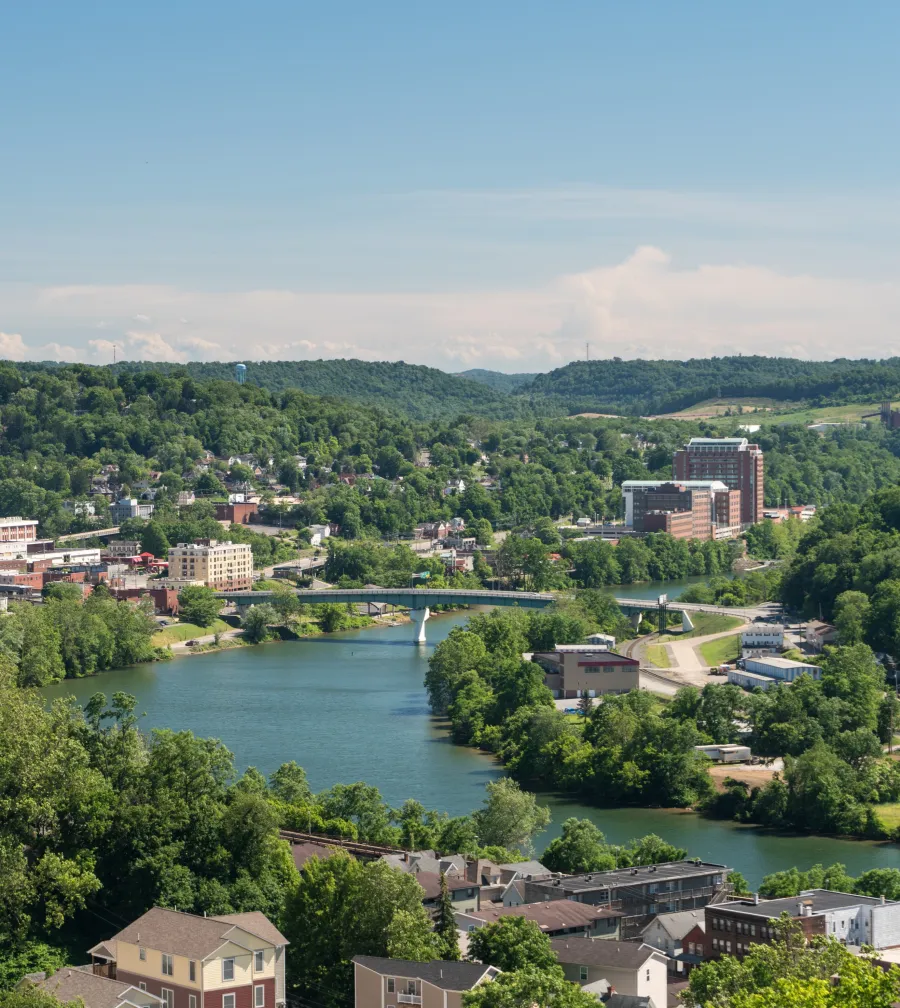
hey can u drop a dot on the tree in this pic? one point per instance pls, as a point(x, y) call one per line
point(29, 996)
point(445, 926)
point(851, 616)
point(531, 987)
point(331, 616)
point(290, 784)
point(198, 605)
point(860, 983)
point(512, 943)
point(153, 540)
point(582, 847)
point(509, 816)
point(257, 620)
point(409, 936)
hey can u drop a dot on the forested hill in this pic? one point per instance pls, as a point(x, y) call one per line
point(422, 393)
point(646, 387)
point(497, 379)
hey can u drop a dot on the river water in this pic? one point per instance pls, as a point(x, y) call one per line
point(351, 706)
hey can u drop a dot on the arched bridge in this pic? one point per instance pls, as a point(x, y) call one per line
point(417, 600)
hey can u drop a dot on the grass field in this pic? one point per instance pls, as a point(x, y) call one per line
point(724, 649)
point(711, 408)
point(658, 655)
point(706, 623)
point(187, 631)
point(889, 814)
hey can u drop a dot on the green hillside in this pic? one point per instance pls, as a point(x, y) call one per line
point(498, 379)
point(423, 393)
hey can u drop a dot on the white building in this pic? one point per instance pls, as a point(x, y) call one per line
point(786, 669)
point(727, 752)
point(762, 638)
point(82, 509)
point(129, 507)
point(317, 533)
point(604, 640)
point(15, 534)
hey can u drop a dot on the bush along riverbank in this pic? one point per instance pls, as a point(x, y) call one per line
point(636, 749)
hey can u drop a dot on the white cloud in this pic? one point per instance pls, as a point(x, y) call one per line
point(643, 306)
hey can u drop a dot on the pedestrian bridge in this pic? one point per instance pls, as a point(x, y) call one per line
point(417, 600)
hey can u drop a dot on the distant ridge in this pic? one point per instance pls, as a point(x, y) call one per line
point(498, 379)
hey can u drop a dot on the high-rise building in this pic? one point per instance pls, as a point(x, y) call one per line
point(738, 464)
point(224, 566)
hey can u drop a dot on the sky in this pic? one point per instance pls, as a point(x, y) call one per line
point(506, 185)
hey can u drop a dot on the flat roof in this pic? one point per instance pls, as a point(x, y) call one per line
point(821, 901)
point(691, 484)
point(767, 679)
point(634, 876)
point(777, 662)
point(724, 441)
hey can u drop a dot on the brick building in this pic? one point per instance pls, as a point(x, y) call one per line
point(223, 566)
point(237, 513)
point(734, 461)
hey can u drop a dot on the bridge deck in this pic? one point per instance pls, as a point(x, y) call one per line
point(411, 598)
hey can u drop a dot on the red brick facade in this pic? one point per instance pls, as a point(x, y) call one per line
point(243, 994)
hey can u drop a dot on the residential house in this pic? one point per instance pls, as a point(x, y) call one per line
point(556, 919)
point(454, 486)
point(302, 852)
point(463, 893)
point(229, 961)
point(639, 892)
point(117, 548)
point(93, 990)
point(762, 639)
point(317, 533)
point(389, 983)
point(185, 498)
point(607, 967)
point(413, 862)
point(731, 928)
point(666, 932)
point(81, 509)
point(818, 634)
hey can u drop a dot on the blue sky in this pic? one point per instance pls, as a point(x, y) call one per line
point(485, 184)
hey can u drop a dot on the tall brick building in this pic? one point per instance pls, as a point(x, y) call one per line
point(734, 461)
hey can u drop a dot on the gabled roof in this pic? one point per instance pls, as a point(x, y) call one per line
point(603, 952)
point(431, 883)
point(678, 924)
point(95, 991)
point(448, 975)
point(189, 935)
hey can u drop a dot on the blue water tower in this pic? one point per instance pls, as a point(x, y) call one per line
point(240, 373)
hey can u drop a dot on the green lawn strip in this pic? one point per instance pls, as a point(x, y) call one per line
point(889, 814)
point(706, 623)
point(187, 631)
point(658, 655)
point(715, 652)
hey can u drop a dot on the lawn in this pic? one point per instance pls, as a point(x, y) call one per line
point(889, 814)
point(752, 408)
point(658, 655)
point(706, 623)
point(715, 652)
point(187, 631)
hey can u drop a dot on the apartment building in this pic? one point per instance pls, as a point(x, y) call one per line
point(231, 961)
point(15, 534)
point(389, 983)
point(129, 507)
point(555, 918)
point(733, 461)
point(731, 928)
point(223, 566)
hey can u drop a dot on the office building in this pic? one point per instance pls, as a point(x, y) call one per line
point(734, 461)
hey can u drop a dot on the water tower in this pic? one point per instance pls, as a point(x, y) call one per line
point(240, 373)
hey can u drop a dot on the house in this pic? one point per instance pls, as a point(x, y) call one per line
point(185, 498)
point(725, 753)
point(463, 893)
point(94, 990)
point(230, 961)
point(667, 933)
point(454, 486)
point(81, 509)
point(302, 852)
point(317, 533)
point(818, 634)
point(556, 918)
point(607, 967)
point(413, 862)
point(650, 889)
point(762, 638)
point(388, 983)
point(731, 928)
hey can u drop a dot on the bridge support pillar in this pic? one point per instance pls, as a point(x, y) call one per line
point(418, 616)
point(686, 623)
point(636, 620)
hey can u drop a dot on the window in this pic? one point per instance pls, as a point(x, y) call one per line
point(192, 1001)
point(227, 972)
point(648, 975)
point(582, 972)
point(192, 970)
point(167, 966)
point(142, 954)
point(259, 996)
point(168, 997)
point(391, 985)
point(228, 1001)
point(259, 960)
point(142, 985)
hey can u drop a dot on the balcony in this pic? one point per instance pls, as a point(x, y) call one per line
point(409, 998)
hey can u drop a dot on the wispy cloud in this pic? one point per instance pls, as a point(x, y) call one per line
point(644, 306)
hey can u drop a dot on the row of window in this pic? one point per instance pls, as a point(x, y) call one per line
point(167, 965)
point(228, 1000)
point(741, 927)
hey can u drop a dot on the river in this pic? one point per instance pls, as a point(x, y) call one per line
point(351, 706)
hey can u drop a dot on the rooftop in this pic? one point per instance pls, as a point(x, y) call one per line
point(786, 663)
point(721, 442)
point(190, 935)
point(448, 975)
point(678, 924)
point(819, 900)
point(636, 876)
point(431, 883)
point(97, 991)
point(549, 916)
point(689, 484)
point(603, 952)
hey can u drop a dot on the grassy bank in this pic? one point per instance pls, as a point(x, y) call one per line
point(706, 623)
point(178, 632)
point(658, 655)
point(715, 652)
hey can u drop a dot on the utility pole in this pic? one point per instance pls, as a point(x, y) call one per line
point(587, 351)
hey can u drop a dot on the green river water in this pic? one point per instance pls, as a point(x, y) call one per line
point(351, 706)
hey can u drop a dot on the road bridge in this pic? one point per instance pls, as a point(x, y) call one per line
point(417, 600)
